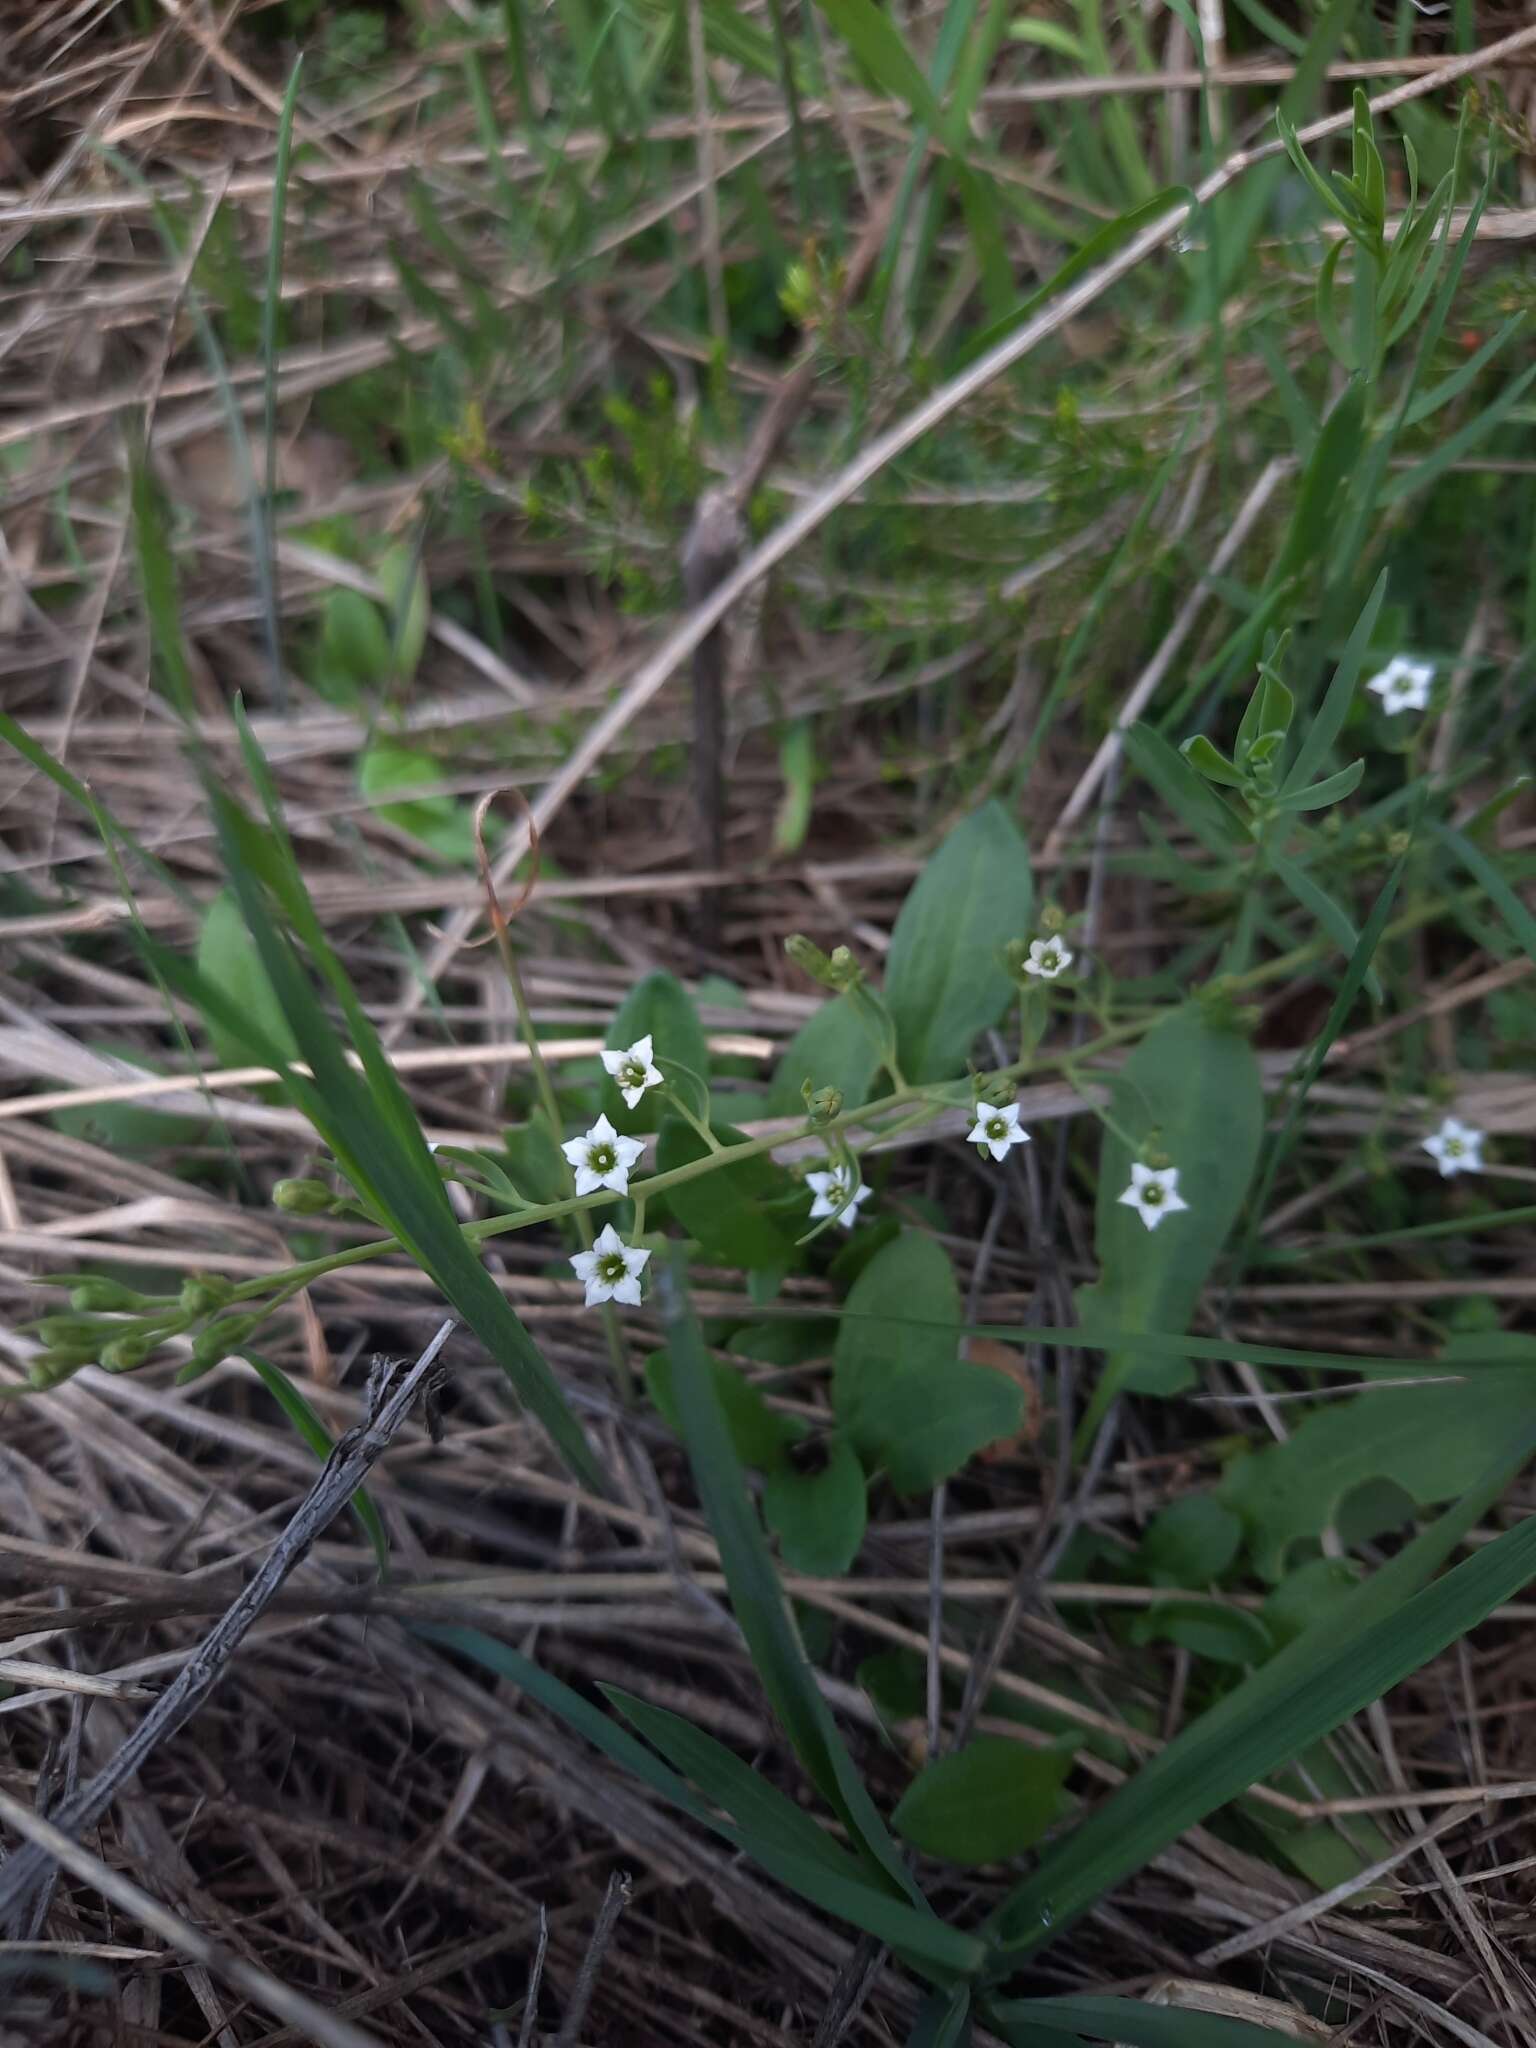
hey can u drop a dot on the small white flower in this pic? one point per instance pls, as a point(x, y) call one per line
point(634, 1070)
point(602, 1158)
point(1048, 958)
point(1456, 1148)
point(1403, 685)
point(996, 1129)
point(1153, 1193)
point(611, 1270)
point(833, 1198)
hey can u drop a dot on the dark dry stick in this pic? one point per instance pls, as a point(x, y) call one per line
point(614, 1902)
point(350, 1462)
point(535, 1978)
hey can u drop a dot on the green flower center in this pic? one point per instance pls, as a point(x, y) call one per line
point(997, 1127)
point(602, 1159)
point(1454, 1147)
point(611, 1268)
point(1050, 959)
point(1153, 1194)
point(632, 1076)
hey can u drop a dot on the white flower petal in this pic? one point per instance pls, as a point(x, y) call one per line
point(598, 1291)
point(585, 1264)
point(575, 1149)
point(627, 1291)
point(628, 1150)
point(612, 1061)
point(587, 1182)
point(609, 1240)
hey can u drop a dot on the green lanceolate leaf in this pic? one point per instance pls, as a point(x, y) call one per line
point(989, 1801)
point(1185, 792)
point(1192, 1090)
point(944, 980)
point(439, 820)
point(227, 959)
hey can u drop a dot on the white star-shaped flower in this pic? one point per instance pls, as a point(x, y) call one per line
point(1456, 1148)
point(996, 1129)
point(833, 1197)
point(634, 1070)
point(602, 1158)
point(1153, 1193)
point(1048, 958)
point(611, 1270)
point(1403, 685)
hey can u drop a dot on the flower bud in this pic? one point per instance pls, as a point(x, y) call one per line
point(303, 1197)
point(97, 1297)
point(201, 1293)
point(846, 971)
point(809, 958)
point(49, 1367)
point(821, 1104)
point(998, 1092)
point(1053, 919)
point(1398, 844)
point(126, 1354)
point(67, 1330)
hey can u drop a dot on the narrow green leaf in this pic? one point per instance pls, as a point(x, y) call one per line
point(1185, 793)
point(1328, 721)
point(1301, 1695)
point(1333, 918)
point(1129, 2021)
point(1330, 790)
point(1482, 870)
point(756, 1595)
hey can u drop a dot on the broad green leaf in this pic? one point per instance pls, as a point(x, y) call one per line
point(909, 1403)
point(929, 1425)
point(902, 1316)
point(814, 1501)
point(1192, 1088)
point(658, 1006)
point(989, 1801)
point(1191, 1542)
point(832, 1049)
point(1302, 1694)
point(945, 980)
point(227, 958)
point(758, 1434)
point(725, 1209)
point(757, 1598)
point(354, 653)
point(308, 1425)
point(1430, 1441)
point(1226, 1635)
point(440, 821)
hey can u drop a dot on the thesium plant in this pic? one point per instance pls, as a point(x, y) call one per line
point(926, 1372)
